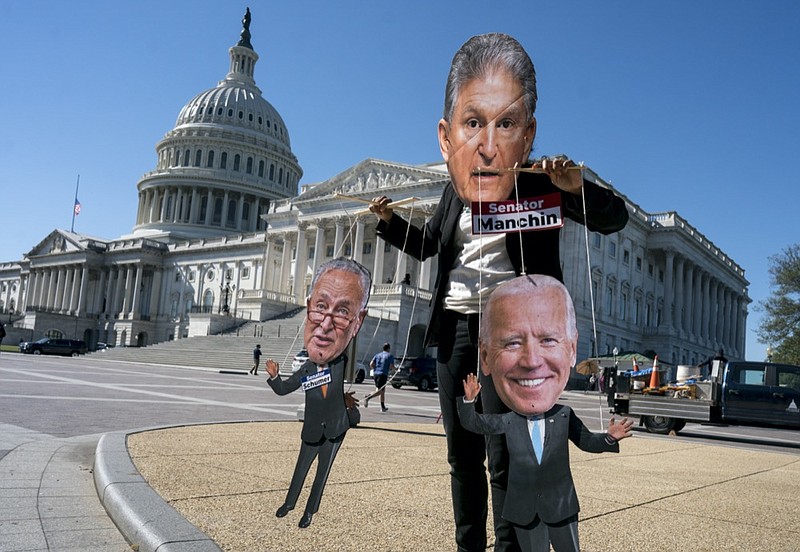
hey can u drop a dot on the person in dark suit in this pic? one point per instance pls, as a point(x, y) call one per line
point(528, 345)
point(336, 309)
point(486, 131)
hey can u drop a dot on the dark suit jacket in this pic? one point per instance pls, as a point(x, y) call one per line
point(605, 213)
point(546, 490)
point(324, 416)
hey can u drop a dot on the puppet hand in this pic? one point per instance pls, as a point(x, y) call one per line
point(471, 387)
point(620, 430)
point(379, 207)
point(557, 168)
point(349, 400)
point(272, 368)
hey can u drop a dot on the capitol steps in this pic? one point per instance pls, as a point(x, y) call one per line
point(222, 352)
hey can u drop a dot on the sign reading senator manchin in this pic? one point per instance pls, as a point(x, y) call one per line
point(533, 213)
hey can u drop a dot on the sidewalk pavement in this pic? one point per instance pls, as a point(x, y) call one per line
point(389, 491)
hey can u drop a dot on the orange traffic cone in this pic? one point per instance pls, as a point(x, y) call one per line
point(654, 383)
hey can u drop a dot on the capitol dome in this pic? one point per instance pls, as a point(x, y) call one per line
point(228, 156)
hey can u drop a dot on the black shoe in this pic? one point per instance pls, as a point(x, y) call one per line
point(305, 521)
point(384, 408)
point(283, 510)
point(366, 401)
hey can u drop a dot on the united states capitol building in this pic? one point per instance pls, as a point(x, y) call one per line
point(221, 237)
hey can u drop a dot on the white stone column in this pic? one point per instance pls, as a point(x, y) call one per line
point(74, 291)
point(224, 220)
point(117, 291)
point(162, 215)
point(239, 208)
point(52, 282)
point(679, 297)
point(97, 305)
point(688, 309)
point(209, 207)
point(266, 268)
point(358, 253)
point(127, 294)
point(300, 265)
point(726, 332)
point(319, 246)
point(61, 285)
point(377, 265)
point(286, 264)
point(33, 289)
point(425, 274)
point(108, 308)
point(668, 295)
point(137, 293)
point(339, 237)
point(705, 292)
point(402, 262)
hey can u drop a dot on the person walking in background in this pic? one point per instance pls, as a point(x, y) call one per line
point(256, 359)
point(382, 365)
point(2, 333)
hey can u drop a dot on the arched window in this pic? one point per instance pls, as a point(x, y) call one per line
point(249, 165)
point(210, 162)
point(198, 156)
point(272, 171)
point(280, 175)
point(186, 158)
point(236, 160)
point(261, 169)
point(246, 211)
point(223, 160)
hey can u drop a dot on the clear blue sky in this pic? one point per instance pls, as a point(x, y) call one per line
point(687, 106)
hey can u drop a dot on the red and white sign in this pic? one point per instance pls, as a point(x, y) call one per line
point(525, 215)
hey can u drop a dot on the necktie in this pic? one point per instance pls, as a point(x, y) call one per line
point(324, 386)
point(536, 439)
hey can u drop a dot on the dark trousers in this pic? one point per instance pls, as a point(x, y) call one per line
point(466, 451)
point(326, 450)
point(538, 536)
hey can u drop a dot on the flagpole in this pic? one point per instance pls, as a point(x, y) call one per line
point(72, 227)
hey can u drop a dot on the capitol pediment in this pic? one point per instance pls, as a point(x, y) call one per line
point(373, 177)
point(56, 243)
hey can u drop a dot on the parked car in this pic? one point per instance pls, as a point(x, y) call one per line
point(52, 346)
point(101, 346)
point(418, 371)
point(299, 359)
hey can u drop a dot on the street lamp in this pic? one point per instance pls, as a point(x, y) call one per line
point(769, 353)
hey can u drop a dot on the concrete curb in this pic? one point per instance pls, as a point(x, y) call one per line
point(141, 515)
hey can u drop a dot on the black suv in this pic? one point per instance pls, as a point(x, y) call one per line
point(51, 346)
point(419, 371)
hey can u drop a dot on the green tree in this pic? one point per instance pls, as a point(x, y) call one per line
point(780, 327)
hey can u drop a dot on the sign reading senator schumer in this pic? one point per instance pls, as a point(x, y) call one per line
point(525, 214)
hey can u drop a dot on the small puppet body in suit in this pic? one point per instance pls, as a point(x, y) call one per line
point(325, 423)
point(540, 490)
